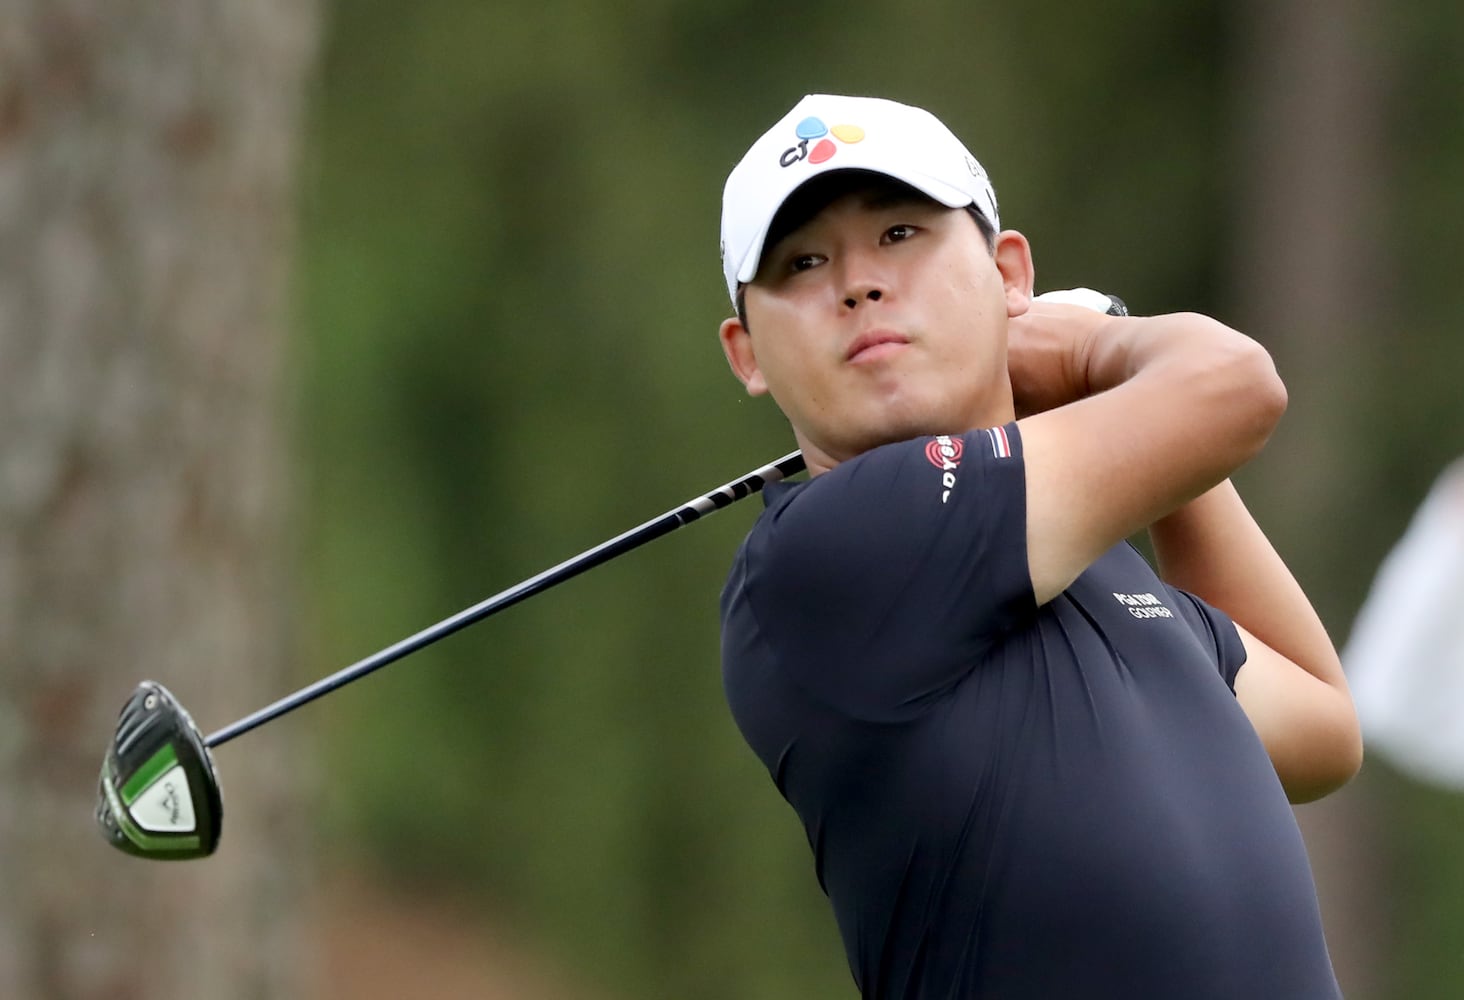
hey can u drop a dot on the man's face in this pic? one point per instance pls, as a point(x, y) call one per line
point(881, 318)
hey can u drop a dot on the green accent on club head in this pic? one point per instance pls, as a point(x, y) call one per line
point(145, 775)
point(146, 843)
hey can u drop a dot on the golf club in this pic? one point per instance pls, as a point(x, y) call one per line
point(159, 794)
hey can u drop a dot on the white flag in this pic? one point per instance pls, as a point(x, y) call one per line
point(1405, 657)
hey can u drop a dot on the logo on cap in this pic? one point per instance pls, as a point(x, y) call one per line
point(813, 130)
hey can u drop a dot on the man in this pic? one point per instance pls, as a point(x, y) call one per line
point(1027, 765)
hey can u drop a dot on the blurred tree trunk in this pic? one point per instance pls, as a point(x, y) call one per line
point(146, 159)
point(1311, 276)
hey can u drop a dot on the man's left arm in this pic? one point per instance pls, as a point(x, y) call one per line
point(1291, 687)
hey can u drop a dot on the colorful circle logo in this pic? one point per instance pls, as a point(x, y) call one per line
point(813, 130)
point(945, 451)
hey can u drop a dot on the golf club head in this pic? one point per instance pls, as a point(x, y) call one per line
point(159, 797)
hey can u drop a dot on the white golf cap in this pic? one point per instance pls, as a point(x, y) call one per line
point(824, 133)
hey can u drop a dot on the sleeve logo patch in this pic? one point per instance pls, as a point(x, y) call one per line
point(944, 453)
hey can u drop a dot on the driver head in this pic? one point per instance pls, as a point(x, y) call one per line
point(158, 796)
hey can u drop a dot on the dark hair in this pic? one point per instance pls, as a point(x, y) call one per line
point(810, 199)
point(988, 231)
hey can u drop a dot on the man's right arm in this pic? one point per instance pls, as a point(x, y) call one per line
point(1146, 413)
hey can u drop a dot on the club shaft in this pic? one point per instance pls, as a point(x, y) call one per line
point(788, 465)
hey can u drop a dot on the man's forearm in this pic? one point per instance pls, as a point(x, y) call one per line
point(1213, 548)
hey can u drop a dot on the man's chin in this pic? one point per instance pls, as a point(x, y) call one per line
point(895, 432)
point(890, 425)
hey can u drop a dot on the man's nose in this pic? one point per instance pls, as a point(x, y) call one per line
point(864, 281)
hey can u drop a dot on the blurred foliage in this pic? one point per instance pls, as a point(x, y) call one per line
point(508, 301)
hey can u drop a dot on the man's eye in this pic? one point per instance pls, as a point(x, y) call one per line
point(804, 261)
point(897, 233)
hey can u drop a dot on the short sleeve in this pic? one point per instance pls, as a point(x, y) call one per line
point(879, 583)
point(1215, 631)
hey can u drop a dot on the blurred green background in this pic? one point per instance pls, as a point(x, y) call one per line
point(501, 350)
point(507, 302)
point(505, 343)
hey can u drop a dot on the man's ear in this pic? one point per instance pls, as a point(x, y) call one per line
point(737, 345)
point(1013, 255)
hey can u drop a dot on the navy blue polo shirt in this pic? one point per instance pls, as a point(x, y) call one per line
point(1005, 800)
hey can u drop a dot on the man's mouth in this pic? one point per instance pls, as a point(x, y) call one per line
point(875, 345)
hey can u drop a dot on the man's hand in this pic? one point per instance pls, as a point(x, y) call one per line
point(1049, 348)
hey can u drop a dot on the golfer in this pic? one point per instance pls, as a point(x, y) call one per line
point(1028, 764)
